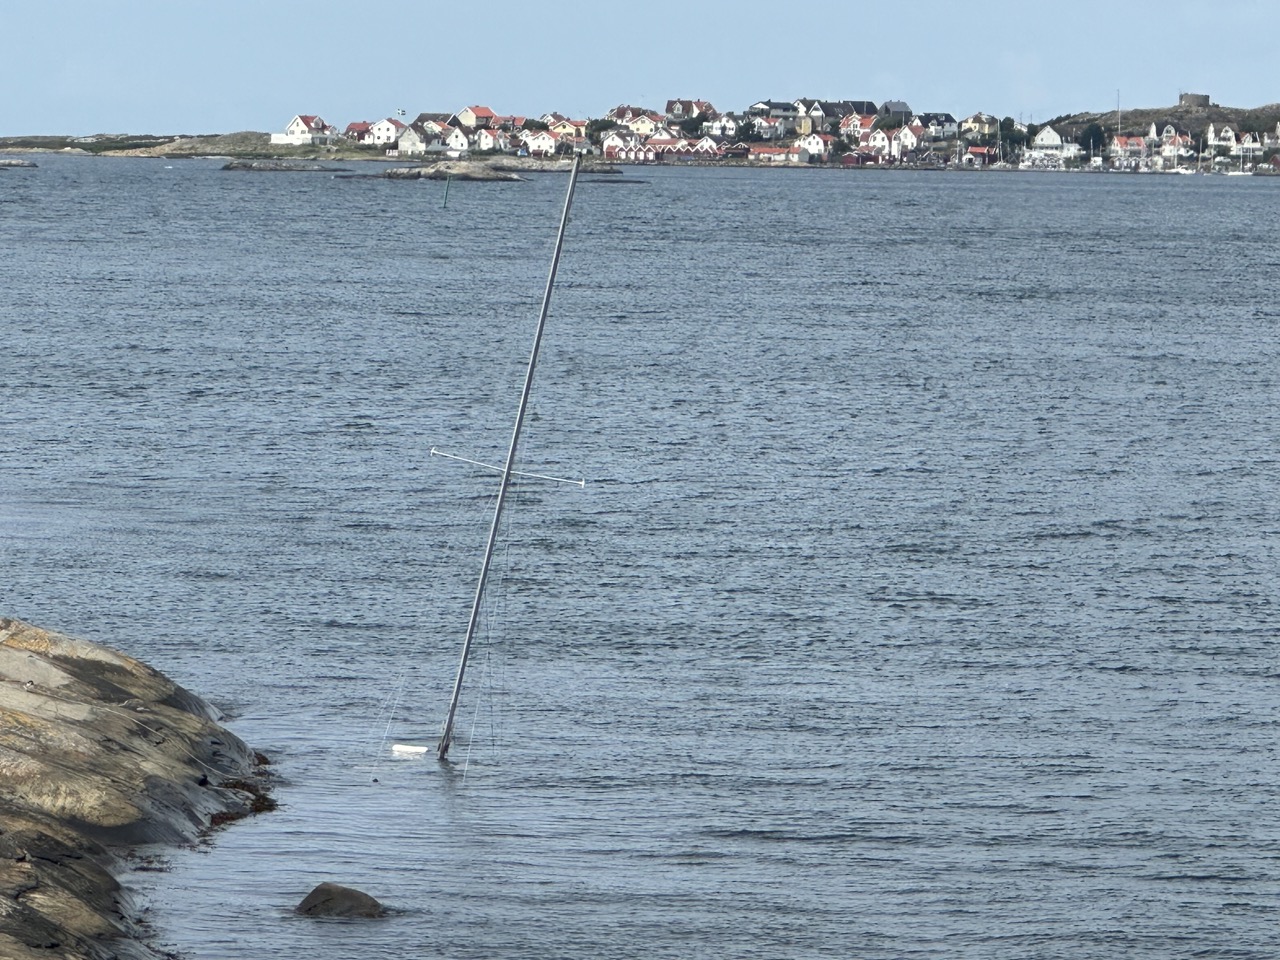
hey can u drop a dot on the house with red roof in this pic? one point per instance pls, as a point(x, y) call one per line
point(819, 146)
point(385, 132)
point(645, 124)
point(979, 157)
point(905, 141)
point(767, 153)
point(564, 127)
point(358, 130)
point(476, 117)
point(540, 143)
point(1176, 150)
point(305, 129)
point(623, 112)
point(681, 110)
point(1131, 148)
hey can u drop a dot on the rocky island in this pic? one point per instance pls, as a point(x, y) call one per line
point(99, 753)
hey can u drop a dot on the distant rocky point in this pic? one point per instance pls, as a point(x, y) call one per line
point(503, 168)
point(281, 166)
point(451, 170)
point(99, 753)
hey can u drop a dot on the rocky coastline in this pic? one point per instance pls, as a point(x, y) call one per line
point(99, 754)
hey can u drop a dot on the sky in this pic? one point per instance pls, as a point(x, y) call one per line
point(142, 66)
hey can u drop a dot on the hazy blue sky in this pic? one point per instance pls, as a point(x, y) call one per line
point(144, 66)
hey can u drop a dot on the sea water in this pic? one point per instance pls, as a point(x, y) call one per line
point(920, 601)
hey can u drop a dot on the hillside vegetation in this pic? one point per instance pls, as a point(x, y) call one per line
point(1192, 120)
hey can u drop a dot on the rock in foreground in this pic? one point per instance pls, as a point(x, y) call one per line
point(335, 900)
point(98, 752)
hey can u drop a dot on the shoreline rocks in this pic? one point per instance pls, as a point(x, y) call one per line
point(99, 753)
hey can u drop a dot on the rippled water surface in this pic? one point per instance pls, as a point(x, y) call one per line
point(920, 601)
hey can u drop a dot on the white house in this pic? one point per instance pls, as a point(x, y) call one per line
point(413, 141)
point(1249, 147)
point(1049, 149)
point(1176, 151)
point(725, 125)
point(1130, 148)
point(937, 126)
point(762, 153)
point(385, 131)
point(487, 139)
point(304, 130)
point(877, 141)
point(618, 142)
point(456, 142)
point(906, 140)
point(775, 109)
point(818, 146)
point(540, 143)
point(1222, 135)
point(856, 126)
point(772, 128)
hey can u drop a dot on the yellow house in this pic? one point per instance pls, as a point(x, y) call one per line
point(979, 125)
point(569, 128)
point(645, 124)
point(475, 117)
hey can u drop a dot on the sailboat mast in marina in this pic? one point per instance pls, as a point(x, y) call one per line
point(446, 735)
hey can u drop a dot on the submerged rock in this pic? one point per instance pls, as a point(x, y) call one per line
point(98, 752)
point(335, 900)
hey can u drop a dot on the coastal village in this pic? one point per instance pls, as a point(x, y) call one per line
point(848, 133)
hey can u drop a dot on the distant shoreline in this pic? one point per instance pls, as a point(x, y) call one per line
point(257, 146)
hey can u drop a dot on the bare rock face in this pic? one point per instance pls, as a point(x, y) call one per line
point(452, 170)
point(279, 166)
point(98, 751)
point(335, 900)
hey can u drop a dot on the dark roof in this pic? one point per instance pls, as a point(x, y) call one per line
point(835, 109)
point(773, 106)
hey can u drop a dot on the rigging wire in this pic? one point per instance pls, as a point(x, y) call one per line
point(451, 550)
point(493, 636)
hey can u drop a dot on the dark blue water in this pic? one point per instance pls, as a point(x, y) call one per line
point(920, 601)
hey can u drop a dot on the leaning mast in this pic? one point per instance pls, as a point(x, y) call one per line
point(446, 735)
